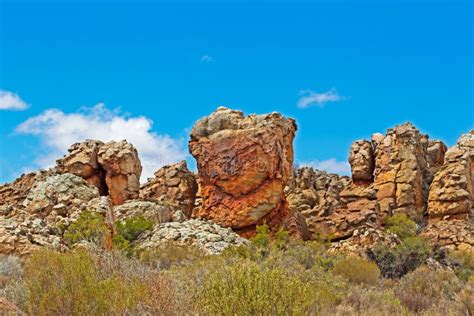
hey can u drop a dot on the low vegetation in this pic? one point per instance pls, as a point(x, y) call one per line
point(270, 276)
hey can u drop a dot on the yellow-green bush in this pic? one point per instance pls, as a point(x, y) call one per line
point(69, 284)
point(400, 225)
point(245, 288)
point(171, 254)
point(377, 301)
point(90, 226)
point(357, 270)
point(423, 288)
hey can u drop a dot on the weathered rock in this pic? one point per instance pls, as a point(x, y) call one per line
point(59, 195)
point(13, 194)
point(210, 237)
point(122, 170)
point(158, 212)
point(244, 164)
point(362, 161)
point(82, 161)
point(435, 155)
point(451, 233)
point(316, 195)
point(401, 171)
point(451, 192)
point(172, 184)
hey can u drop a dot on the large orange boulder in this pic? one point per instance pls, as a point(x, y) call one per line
point(244, 163)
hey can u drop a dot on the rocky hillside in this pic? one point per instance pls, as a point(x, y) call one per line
point(245, 178)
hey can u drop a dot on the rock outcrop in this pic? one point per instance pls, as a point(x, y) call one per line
point(114, 168)
point(362, 161)
point(401, 175)
point(244, 164)
point(122, 170)
point(82, 161)
point(451, 192)
point(172, 184)
point(210, 237)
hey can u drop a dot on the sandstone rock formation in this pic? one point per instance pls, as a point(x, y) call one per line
point(401, 171)
point(82, 161)
point(172, 184)
point(244, 164)
point(452, 190)
point(206, 235)
point(114, 168)
point(122, 170)
point(361, 159)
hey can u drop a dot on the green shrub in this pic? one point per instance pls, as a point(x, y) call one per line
point(132, 227)
point(244, 288)
point(358, 270)
point(262, 237)
point(69, 284)
point(400, 225)
point(90, 227)
point(423, 288)
point(405, 257)
point(463, 262)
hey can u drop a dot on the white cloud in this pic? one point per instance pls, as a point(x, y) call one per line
point(310, 98)
point(207, 59)
point(11, 101)
point(331, 165)
point(58, 131)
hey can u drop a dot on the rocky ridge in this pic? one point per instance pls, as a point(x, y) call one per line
point(245, 178)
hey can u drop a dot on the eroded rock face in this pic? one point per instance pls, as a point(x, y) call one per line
point(401, 171)
point(362, 161)
point(82, 161)
point(172, 184)
point(114, 168)
point(315, 195)
point(451, 193)
point(122, 170)
point(244, 164)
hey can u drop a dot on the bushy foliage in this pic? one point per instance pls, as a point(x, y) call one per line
point(133, 227)
point(405, 257)
point(375, 301)
point(244, 288)
point(70, 284)
point(90, 227)
point(171, 254)
point(358, 270)
point(423, 288)
point(400, 225)
point(463, 262)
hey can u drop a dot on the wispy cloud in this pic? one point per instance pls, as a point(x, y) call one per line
point(310, 98)
point(11, 101)
point(331, 165)
point(58, 130)
point(207, 59)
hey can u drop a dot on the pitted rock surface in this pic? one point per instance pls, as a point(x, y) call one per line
point(244, 164)
point(206, 235)
point(158, 212)
point(172, 184)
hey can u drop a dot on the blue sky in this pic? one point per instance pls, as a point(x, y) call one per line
point(148, 70)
